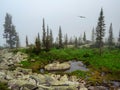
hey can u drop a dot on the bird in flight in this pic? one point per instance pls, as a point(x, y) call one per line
point(81, 16)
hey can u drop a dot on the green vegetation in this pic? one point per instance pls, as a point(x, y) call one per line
point(108, 63)
point(3, 86)
point(109, 59)
point(80, 74)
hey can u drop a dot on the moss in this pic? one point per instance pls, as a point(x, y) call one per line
point(3, 86)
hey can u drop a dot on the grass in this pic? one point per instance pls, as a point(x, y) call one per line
point(79, 74)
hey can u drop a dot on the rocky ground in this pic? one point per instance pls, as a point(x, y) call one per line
point(24, 79)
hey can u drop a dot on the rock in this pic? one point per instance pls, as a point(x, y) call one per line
point(73, 78)
point(28, 87)
point(39, 79)
point(4, 66)
point(97, 88)
point(83, 88)
point(57, 66)
point(19, 83)
point(18, 65)
point(64, 88)
point(55, 77)
point(64, 78)
point(9, 75)
point(14, 87)
point(32, 60)
point(24, 71)
point(2, 74)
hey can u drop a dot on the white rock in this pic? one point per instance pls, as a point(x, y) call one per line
point(83, 88)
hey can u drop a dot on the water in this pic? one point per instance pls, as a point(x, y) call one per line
point(116, 83)
point(77, 65)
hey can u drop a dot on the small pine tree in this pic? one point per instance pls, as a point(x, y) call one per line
point(79, 40)
point(71, 41)
point(76, 42)
point(27, 44)
point(39, 42)
point(93, 36)
point(51, 39)
point(65, 40)
point(84, 37)
point(110, 38)
point(37, 47)
point(17, 41)
point(119, 40)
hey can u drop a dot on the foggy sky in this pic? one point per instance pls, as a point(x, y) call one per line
point(27, 16)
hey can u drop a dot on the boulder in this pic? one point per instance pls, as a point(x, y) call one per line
point(84, 88)
point(64, 78)
point(57, 66)
point(24, 71)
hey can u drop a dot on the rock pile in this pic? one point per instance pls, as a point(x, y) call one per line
point(24, 79)
point(8, 59)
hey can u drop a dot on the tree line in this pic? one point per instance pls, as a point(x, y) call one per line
point(47, 41)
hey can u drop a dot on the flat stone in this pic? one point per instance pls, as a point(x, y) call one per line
point(57, 66)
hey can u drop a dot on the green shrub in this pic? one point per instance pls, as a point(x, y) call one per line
point(80, 74)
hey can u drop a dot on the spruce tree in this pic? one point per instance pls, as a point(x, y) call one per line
point(100, 32)
point(76, 42)
point(93, 36)
point(51, 39)
point(17, 41)
point(110, 38)
point(79, 40)
point(119, 40)
point(44, 34)
point(47, 42)
point(37, 47)
point(84, 37)
point(10, 33)
point(60, 38)
point(39, 42)
point(27, 44)
point(65, 40)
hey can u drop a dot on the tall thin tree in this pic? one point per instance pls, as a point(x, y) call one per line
point(51, 38)
point(84, 37)
point(47, 42)
point(27, 43)
point(93, 36)
point(60, 38)
point(44, 33)
point(119, 40)
point(17, 41)
point(110, 37)
point(76, 42)
point(66, 40)
point(100, 32)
